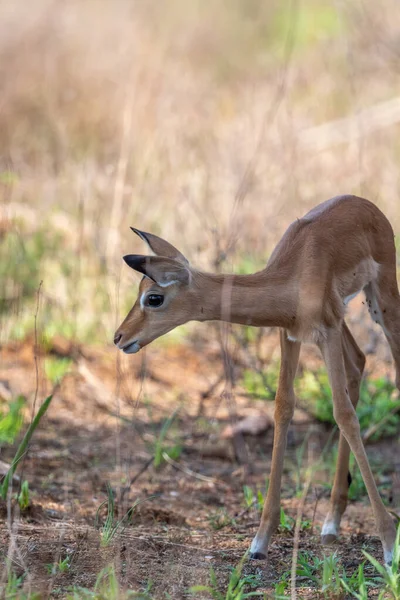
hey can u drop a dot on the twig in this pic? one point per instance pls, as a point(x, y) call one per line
point(296, 540)
point(349, 129)
point(136, 477)
point(188, 471)
point(36, 349)
point(123, 159)
point(246, 510)
point(102, 396)
point(36, 354)
point(268, 118)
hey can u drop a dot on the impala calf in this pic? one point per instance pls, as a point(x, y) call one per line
point(339, 248)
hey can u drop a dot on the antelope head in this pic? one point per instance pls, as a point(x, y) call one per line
point(166, 298)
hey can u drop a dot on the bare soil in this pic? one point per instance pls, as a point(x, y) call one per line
point(102, 426)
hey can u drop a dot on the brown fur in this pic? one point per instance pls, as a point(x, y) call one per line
point(340, 247)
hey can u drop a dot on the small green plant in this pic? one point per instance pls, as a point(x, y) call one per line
point(308, 566)
point(330, 578)
point(314, 390)
point(23, 496)
point(389, 575)
point(249, 498)
point(112, 525)
point(11, 589)
point(56, 368)
point(237, 585)
point(357, 585)
point(280, 588)
point(23, 447)
point(22, 269)
point(324, 573)
point(255, 497)
point(357, 489)
point(286, 523)
point(376, 410)
point(107, 588)
point(331, 585)
point(260, 384)
point(62, 566)
point(13, 584)
point(160, 448)
point(11, 422)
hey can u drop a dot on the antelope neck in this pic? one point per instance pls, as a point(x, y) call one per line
point(259, 299)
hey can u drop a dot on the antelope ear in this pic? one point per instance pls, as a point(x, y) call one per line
point(160, 247)
point(163, 271)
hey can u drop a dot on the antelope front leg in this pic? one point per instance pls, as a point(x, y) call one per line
point(284, 408)
point(346, 418)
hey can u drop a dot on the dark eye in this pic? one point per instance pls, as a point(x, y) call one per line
point(154, 300)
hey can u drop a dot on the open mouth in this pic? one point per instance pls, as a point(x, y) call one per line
point(131, 348)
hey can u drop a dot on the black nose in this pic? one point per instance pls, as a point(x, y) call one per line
point(117, 338)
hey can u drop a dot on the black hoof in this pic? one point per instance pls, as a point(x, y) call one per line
point(328, 539)
point(258, 556)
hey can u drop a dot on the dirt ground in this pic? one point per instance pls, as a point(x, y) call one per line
point(102, 427)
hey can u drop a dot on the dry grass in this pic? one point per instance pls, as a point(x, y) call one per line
point(194, 120)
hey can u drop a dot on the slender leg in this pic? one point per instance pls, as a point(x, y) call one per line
point(384, 306)
point(347, 421)
point(354, 362)
point(284, 408)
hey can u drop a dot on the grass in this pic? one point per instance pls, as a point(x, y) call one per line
point(160, 447)
point(326, 575)
point(22, 448)
point(375, 409)
point(12, 588)
point(237, 588)
point(357, 585)
point(389, 576)
point(113, 526)
point(24, 496)
point(261, 385)
point(56, 368)
point(11, 421)
point(62, 566)
point(255, 497)
point(68, 150)
point(107, 587)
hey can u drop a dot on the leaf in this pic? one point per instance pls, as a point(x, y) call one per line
point(23, 446)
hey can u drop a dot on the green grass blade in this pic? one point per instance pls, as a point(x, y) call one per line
point(380, 568)
point(23, 446)
point(158, 451)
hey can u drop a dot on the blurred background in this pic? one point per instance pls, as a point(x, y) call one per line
point(213, 124)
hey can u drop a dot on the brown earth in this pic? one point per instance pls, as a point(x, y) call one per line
point(102, 426)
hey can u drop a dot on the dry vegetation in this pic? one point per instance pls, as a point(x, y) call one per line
point(213, 124)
